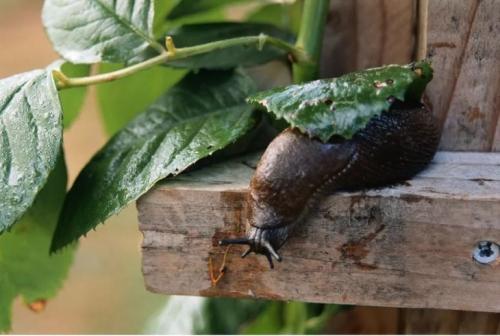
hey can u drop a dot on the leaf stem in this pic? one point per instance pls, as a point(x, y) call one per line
point(299, 56)
point(310, 38)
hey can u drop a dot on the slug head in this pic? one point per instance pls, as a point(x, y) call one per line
point(265, 241)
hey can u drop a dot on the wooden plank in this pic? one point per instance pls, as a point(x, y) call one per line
point(362, 320)
point(457, 38)
point(448, 30)
point(435, 321)
point(430, 321)
point(478, 323)
point(366, 33)
point(405, 246)
point(496, 140)
point(457, 47)
point(465, 92)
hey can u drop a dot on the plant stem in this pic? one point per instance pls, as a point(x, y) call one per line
point(310, 38)
point(173, 54)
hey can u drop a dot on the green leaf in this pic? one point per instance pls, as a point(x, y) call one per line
point(345, 104)
point(30, 138)
point(284, 15)
point(295, 316)
point(225, 315)
point(72, 99)
point(26, 267)
point(202, 114)
point(91, 31)
point(190, 7)
point(316, 324)
point(270, 321)
point(122, 100)
point(213, 15)
point(162, 9)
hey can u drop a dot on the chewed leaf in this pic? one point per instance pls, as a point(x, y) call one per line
point(205, 112)
point(343, 105)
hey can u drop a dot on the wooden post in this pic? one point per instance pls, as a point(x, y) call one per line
point(367, 33)
point(463, 45)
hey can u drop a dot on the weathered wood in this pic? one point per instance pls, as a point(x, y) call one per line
point(363, 320)
point(404, 246)
point(464, 93)
point(367, 33)
point(465, 53)
point(465, 96)
point(433, 321)
point(462, 45)
point(436, 321)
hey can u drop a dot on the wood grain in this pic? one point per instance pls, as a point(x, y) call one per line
point(464, 95)
point(367, 33)
point(465, 53)
point(404, 246)
point(462, 45)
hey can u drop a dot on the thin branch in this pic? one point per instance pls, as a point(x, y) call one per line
point(173, 54)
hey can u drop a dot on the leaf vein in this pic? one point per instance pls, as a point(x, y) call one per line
point(125, 22)
point(8, 154)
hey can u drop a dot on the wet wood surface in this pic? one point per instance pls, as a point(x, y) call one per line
point(408, 245)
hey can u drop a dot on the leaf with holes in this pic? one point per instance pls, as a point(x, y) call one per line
point(205, 112)
point(26, 268)
point(30, 137)
point(343, 105)
point(91, 31)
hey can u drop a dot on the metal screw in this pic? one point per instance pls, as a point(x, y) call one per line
point(485, 252)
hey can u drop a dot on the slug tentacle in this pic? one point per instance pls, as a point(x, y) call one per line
point(296, 170)
point(261, 241)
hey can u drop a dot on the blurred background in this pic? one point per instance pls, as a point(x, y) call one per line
point(104, 291)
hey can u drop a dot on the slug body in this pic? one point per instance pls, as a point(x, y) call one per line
point(296, 170)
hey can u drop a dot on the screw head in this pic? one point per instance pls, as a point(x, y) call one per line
point(485, 252)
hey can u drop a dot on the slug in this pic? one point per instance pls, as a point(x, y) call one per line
point(295, 170)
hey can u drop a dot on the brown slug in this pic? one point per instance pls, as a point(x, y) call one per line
point(295, 170)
